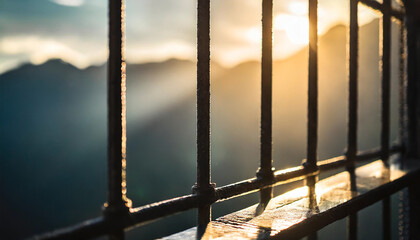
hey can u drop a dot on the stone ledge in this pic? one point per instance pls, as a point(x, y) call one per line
point(301, 211)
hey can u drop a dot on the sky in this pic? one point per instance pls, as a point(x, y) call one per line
point(76, 30)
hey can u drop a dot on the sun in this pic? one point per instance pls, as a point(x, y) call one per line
point(295, 27)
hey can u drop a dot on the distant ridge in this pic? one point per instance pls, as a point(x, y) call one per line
point(173, 62)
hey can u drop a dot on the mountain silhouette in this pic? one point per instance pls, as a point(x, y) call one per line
point(53, 130)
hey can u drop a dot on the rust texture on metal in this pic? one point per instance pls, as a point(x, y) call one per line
point(412, 22)
point(386, 79)
point(412, 115)
point(117, 205)
point(353, 84)
point(386, 106)
point(265, 172)
point(292, 215)
point(312, 139)
point(116, 105)
point(203, 187)
point(353, 100)
point(402, 83)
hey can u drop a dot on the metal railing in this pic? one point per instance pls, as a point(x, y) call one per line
point(118, 212)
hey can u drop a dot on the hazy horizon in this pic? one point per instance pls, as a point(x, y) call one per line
point(169, 58)
point(76, 31)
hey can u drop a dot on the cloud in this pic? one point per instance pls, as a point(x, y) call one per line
point(69, 3)
point(76, 30)
point(37, 50)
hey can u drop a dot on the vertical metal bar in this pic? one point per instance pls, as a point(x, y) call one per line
point(353, 108)
point(402, 83)
point(352, 226)
point(386, 79)
point(386, 95)
point(386, 218)
point(312, 145)
point(312, 153)
point(412, 115)
point(414, 210)
point(266, 170)
point(203, 186)
point(403, 194)
point(412, 134)
point(402, 215)
point(117, 202)
point(353, 84)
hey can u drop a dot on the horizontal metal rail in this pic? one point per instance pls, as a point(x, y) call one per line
point(148, 213)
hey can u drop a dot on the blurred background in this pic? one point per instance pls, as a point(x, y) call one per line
point(53, 105)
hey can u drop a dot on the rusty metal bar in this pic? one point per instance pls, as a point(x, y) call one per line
point(353, 106)
point(85, 230)
point(412, 131)
point(385, 115)
point(402, 83)
point(203, 186)
point(412, 138)
point(117, 202)
point(353, 84)
point(352, 221)
point(386, 218)
point(152, 212)
point(312, 152)
point(386, 80)
point(265, 172)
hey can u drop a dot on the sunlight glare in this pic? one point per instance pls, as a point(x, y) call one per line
point(298, 8)
point(253, 35)
point(295, 27)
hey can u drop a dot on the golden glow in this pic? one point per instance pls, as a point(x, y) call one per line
point(253, 35)
point(298, 8)
point(295, 27)
point(233, 41)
